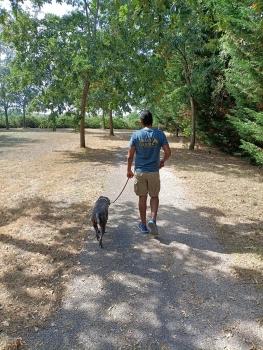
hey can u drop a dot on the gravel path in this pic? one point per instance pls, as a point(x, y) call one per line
point(177, 292)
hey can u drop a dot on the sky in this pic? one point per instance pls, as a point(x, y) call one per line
point(57, 9)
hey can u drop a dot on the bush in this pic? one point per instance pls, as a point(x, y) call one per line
point(133, 121)
point(2, 122)
point(68, 120)
point(119, 123)
point(255, 153)
point(93, 122)
point(33, 122)
point(129, 122)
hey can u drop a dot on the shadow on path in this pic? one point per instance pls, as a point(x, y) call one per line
point(102, 156)
point(212, 160)
point(9, 140)
point(139, 293)
point(34, 279)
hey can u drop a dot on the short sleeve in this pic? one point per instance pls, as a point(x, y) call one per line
point(163, 139)
point(132, 140)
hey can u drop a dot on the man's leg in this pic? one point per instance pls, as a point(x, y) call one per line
point(141, 189)
point(154, 207)
point(154, 189)
point(142, 208)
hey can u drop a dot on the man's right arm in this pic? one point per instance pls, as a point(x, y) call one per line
point(130, 157)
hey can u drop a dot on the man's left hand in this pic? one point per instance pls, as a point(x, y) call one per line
point(161, 163)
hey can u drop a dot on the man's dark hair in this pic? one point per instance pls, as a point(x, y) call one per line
point(146, 118)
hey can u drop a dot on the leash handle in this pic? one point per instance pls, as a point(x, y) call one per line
point(121, 191)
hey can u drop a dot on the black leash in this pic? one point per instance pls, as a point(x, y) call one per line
point(121, 191)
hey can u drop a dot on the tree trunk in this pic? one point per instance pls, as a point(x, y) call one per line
point(52, 119)
point(103, 121)
point(193, 115)
point(111, 124)
point(24, 116)
point(82, 113)
point(6, 118)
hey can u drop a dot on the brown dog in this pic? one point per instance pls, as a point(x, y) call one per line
point(100, 217)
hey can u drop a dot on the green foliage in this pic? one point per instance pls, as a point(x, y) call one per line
point(16, 121)
point(249, 125)
point(195, 64)
point(255, 153)
point(132, 121)
point(93, 122)
point(70, 121)
point(242, 25)
point(129, 122)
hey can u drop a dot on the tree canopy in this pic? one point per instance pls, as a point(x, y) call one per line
point(196, 64)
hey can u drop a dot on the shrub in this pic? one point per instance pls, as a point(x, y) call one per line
point(93, 122)
point(33, 122)
point(2, 122)
point(119, 123)
point(255, 153)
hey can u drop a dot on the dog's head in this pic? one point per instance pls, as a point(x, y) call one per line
point(106, 199)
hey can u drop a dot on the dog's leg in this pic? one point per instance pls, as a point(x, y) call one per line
point(95, 225)
point(102, 226)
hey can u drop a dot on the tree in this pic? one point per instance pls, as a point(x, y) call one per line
point(6, 97)
point(242, 49)
point(75, 43)
point(190, 67)
point(168, 60)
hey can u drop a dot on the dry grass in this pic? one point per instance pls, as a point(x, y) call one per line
point(230, 190)
point(47, 187)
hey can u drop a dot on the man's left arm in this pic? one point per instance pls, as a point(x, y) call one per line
point(166, 150)
point(167, 154)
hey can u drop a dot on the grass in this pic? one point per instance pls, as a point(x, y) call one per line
point(47, 187)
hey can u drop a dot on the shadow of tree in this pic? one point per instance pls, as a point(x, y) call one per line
point(212, 160)
point(123, 135)
point(37, 130)
point(237, 237)
point(95, 155)
point(10, 140)
point(33, 284)
point(139, 293)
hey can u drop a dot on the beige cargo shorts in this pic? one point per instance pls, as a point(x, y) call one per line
point(145, 183)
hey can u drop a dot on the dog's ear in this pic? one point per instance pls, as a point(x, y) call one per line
point(107, 199)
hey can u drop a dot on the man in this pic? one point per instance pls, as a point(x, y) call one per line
point(145, 144)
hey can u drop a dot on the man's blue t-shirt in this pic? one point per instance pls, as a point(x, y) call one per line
point(148, 143)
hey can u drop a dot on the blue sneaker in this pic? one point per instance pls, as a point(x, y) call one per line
point(143, 228)
point(153, 227)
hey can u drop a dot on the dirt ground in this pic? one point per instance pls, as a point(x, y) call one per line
point(47, 188)
point(231, 192)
